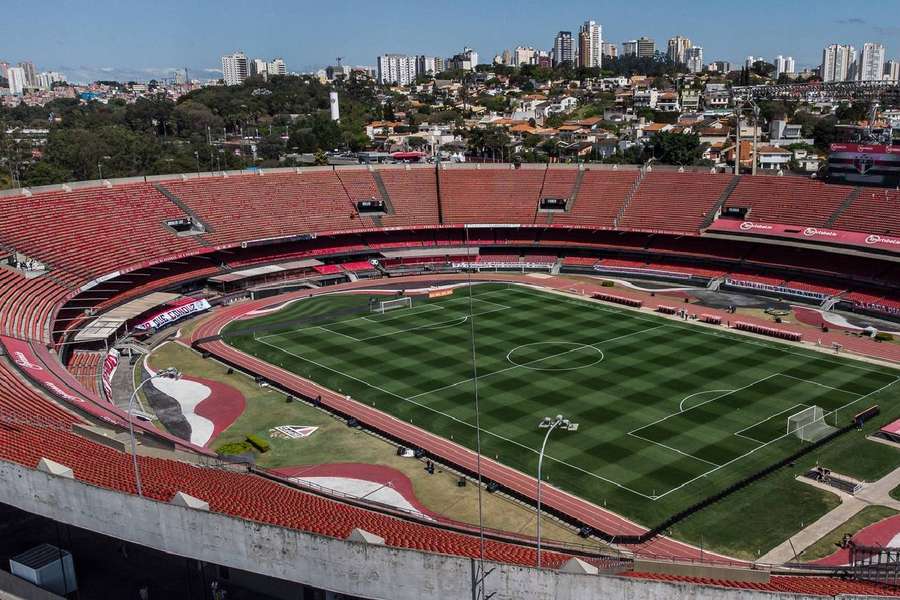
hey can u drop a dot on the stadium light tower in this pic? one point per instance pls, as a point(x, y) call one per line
point(170, 373)
point(548, 423)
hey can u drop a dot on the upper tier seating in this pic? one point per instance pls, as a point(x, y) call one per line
point(490, 195)
point(93, 231)
point(27, 304)
point(413, 195)
point(272, 205)
point(600, 198)
point(873, 211)
point(788, 200)
point(674, 201)
point(20, 401)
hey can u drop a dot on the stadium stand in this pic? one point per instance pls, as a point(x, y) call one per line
point(685, 211)
point(85, 366)
point(494, 196)
point(873, 211)
point(788, 200)
point(90, 233)
point(600, 198)
point(785, 584)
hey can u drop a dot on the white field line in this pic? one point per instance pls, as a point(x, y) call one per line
point(713, 399)
point(737, 337)
point(809, 381)
point(676, 450)
point(690, 481)
point(460, 421)
point(740, 433)
point(689, 396)
point(516, 366)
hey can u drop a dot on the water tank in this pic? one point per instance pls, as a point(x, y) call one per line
point(335, 108)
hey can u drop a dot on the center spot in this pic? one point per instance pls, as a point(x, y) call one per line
point(555, 356)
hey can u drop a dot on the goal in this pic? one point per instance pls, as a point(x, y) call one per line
point(809, 424)
point(392, 304)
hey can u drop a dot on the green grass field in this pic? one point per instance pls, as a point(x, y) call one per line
point(668, 412)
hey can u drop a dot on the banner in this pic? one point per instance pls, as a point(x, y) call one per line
point(172, 312)
point(862, 241)
point(110, 364)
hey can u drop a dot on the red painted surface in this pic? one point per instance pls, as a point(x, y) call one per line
point(877, 534)
point(380, 474)
point(223, 405)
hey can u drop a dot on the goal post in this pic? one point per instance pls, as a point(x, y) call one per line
point(809, 424)
point(392, 304)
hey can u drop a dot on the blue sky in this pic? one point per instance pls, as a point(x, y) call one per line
point(87, 39)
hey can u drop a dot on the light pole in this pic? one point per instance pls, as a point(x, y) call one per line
point(170, 373)
point(197, 156)
point(549, 424)
point(100, 165)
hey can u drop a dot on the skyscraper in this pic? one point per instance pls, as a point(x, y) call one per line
point(235, 68)
point(630, 48)
point(871, 62)
point(892, 70)
point(16, 77)
point(693, 59)
point(837, 61)
point(784, 65)
point(30, 73)
point(277, 67)
point(562, 48)
point(646, 48)
point(590, 40)
point(677, 47)
point(396, 69)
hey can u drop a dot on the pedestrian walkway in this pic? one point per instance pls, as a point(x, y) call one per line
point(872, 494)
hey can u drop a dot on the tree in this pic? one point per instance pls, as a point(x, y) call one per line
point(270, 147)
point(677, 148)
point(416, 142)
point(320, 159)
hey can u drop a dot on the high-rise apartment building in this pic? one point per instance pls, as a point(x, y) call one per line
point(837, 62)
point(4, 67)
point(693, 59)
point(563, 52)
point(892, 70)
point(523, 55)
point(396, 69)
point(277, 67)
point(784, 65)
point(16, 77)
point(609, 49)
point(642, 47)
point(590, 39)
point(425, 65)
point(235, 68)
point(30, 73)
point(677, 47)
point(870, 66)
point(46, 80)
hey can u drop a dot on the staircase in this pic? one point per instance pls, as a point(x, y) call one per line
point(382, 189)
point(628, 198)
point(376, 219)
point(537, 209)
point(829, 302)
point(184, 207)
point(554, 270)
point(723, 198)
point(850, 199)
point(715, 284)
point(577, 188)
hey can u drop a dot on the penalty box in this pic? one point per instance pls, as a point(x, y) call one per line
point(726, 426)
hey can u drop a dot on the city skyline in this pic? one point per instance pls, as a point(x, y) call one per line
point(176, 36)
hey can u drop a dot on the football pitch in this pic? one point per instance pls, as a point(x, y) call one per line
point(668, 412)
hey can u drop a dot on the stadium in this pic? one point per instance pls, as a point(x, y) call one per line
point(367, 381)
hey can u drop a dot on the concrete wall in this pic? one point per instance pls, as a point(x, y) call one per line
point(367, 571)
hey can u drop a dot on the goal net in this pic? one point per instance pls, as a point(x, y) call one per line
point(809, 424)
point(392, 304)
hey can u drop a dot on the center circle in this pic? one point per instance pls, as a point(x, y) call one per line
point(555, 356)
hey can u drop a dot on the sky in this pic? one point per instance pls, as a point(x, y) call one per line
point(118, 39)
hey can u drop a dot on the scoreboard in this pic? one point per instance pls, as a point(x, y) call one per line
point(857, 164)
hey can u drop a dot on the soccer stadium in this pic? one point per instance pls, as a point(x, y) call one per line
point(457, 381)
